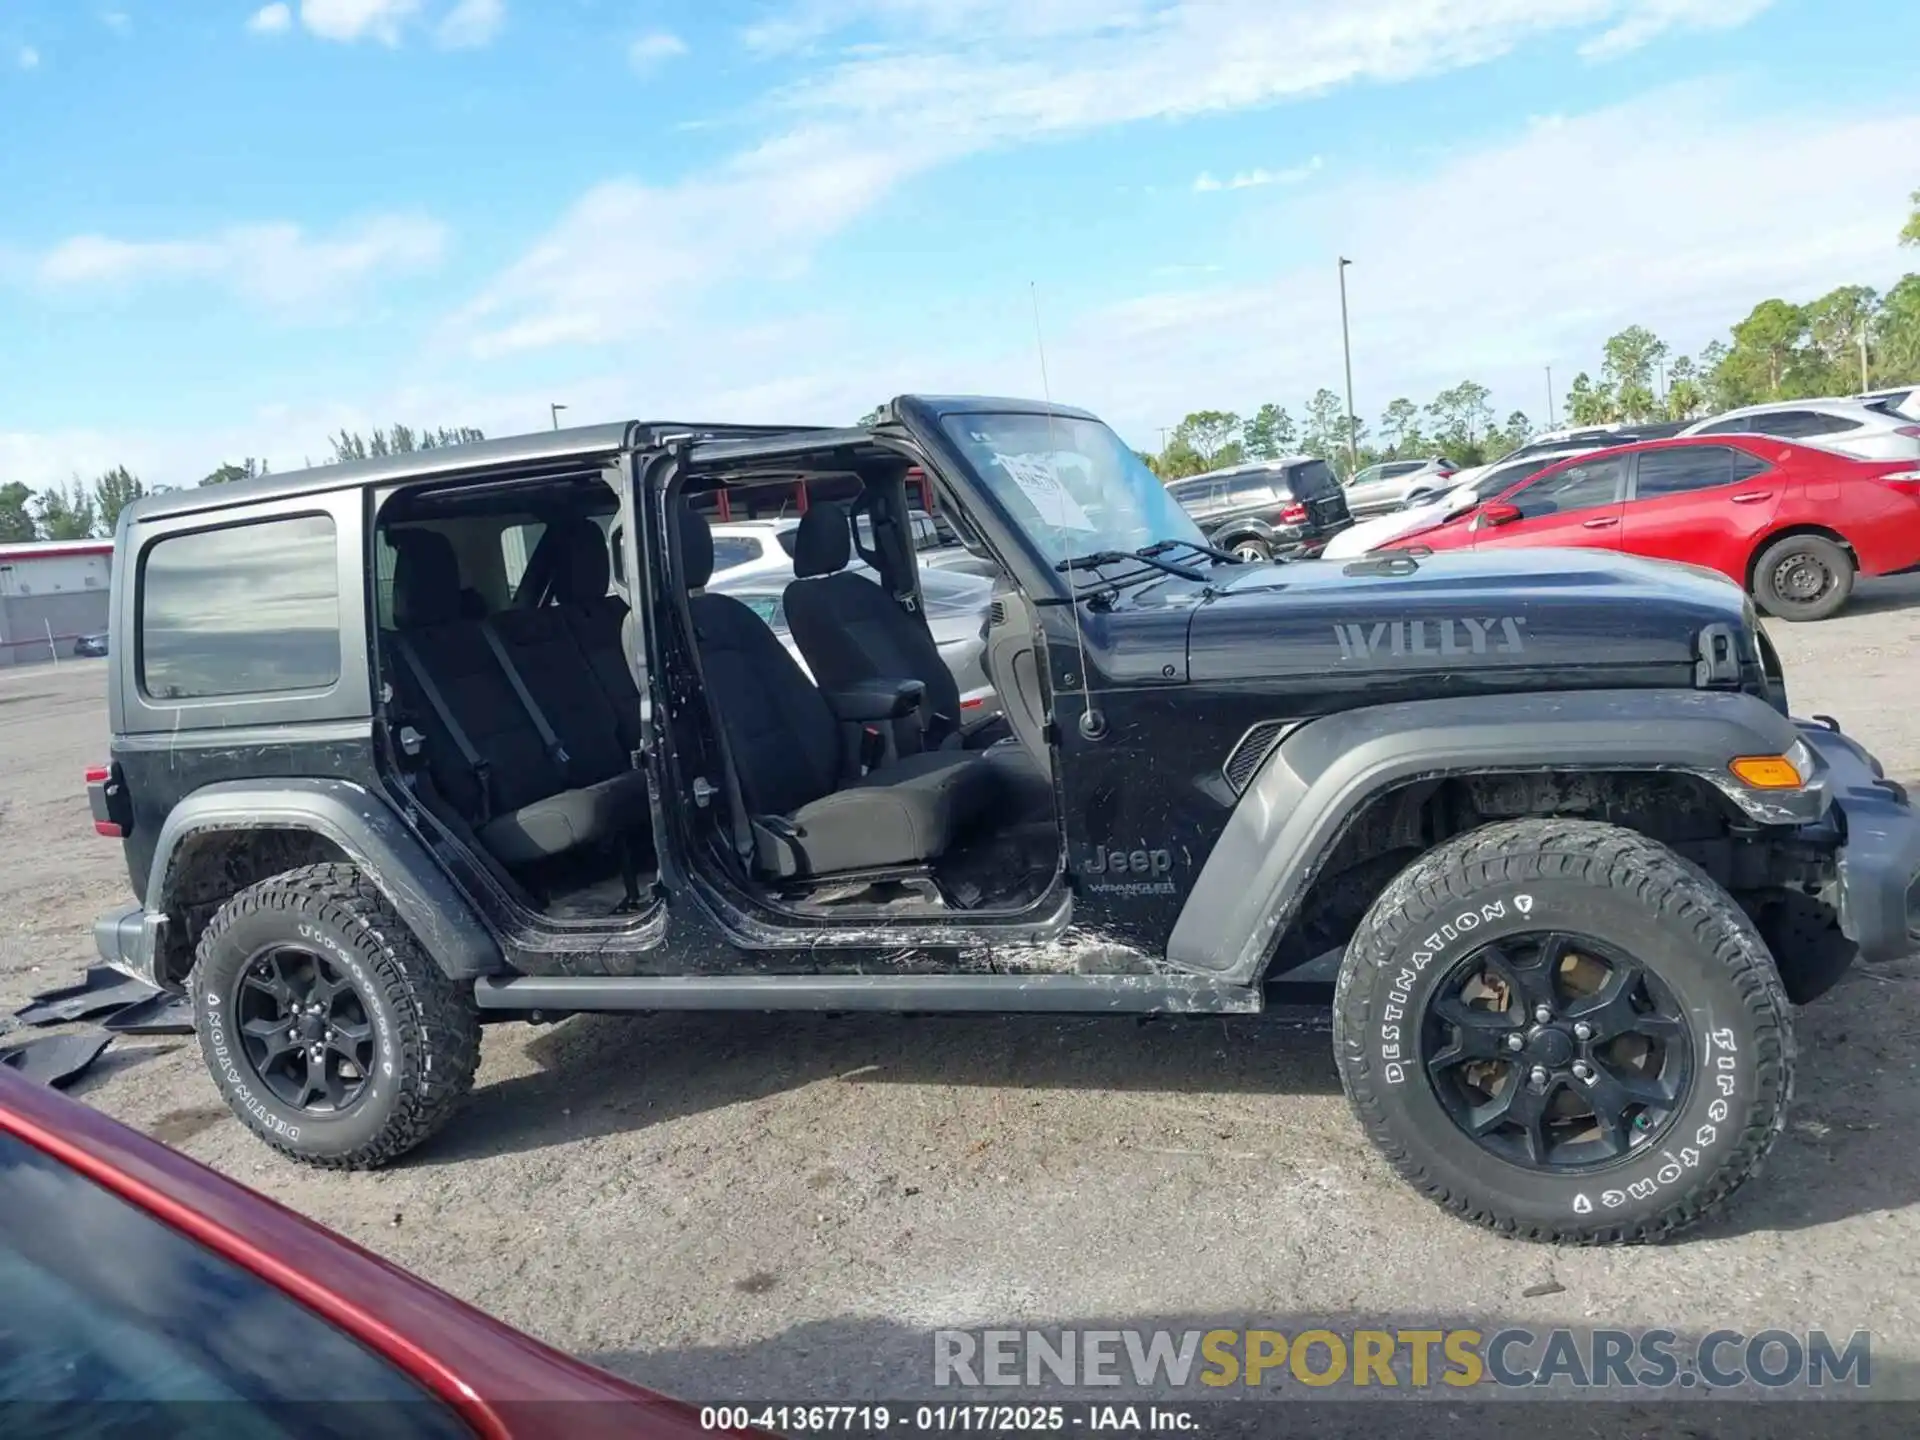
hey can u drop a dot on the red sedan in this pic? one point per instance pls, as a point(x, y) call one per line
point(1793, 524)
point(145, 1294)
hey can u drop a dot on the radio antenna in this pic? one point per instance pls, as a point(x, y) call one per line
point(1092, 724)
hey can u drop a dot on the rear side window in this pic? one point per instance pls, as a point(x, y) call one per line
point(732, 550)
point(1314, 480)
point(1739, 425)
point(1250, 489)
point(1683, 468)
point(243, 610)
point(1578, 487)
point(1801, 424)
point(1195, 494)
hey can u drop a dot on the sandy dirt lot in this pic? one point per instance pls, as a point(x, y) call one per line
point(782, 1207)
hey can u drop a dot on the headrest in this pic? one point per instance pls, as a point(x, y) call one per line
point(426, 579)
point(582, 567)
point(823, 544)
point(696, 548)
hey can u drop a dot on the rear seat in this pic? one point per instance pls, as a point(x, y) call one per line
point(595, 618)
point(526, 798)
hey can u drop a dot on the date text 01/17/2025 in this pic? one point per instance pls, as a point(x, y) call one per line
point(951, 1418)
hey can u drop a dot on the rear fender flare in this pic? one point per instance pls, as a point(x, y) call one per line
point(1298, 805)
point(367, 830)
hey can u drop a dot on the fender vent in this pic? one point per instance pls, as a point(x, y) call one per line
point(997, 614)
point(1243, 762)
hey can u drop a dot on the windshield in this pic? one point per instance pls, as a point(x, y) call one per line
point(1070, 485)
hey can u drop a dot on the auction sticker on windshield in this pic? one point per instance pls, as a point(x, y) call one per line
point(1039, 481)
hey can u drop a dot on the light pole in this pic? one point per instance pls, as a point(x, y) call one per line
point(1865, 384)
point(1549, 397)
point(554, 410)
point(1346, 347)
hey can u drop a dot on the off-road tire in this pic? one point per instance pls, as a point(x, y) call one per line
point(427, 1034)
point(1617, 887)
point(1817, 550)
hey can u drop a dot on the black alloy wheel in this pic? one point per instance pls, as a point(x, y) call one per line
point(305, 1029)
point(1556, 1052)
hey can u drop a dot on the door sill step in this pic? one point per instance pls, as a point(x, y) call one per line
point(1068, 994)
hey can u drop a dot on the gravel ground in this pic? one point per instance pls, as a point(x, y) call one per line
point(746, 1206)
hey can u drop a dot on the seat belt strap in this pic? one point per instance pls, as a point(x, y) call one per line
point(476, 762)
point(555, 750)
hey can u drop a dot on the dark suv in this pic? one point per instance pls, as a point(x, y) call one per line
point(1289, 507)
point(405, 745)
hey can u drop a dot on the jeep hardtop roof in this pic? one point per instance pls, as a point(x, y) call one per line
point(575, 448)
point(568, 449)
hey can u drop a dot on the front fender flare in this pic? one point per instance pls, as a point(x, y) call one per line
point(1319, 777)
point(368, 831)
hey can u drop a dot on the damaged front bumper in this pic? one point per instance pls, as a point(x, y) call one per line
point(1876, 832)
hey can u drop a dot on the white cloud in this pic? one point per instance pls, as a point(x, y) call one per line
point(275, 19)
point(629, 256)
point(470, 24)
point(1543, 284)
point(350, 20)
point(971, 74)
point(276, 266)
point(1645, 20)
point(117, 21)
point(651, 51)
point(1253, 179)
point(27, 58)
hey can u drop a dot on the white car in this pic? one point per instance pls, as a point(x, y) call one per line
point(754, 547)
point(1480, 483)
point(1863, 431)
point(1900, 400)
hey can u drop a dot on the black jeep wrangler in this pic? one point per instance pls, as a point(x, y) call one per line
point(404, 746)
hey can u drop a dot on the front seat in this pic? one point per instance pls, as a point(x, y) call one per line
point(784, 743)
point(850, 630)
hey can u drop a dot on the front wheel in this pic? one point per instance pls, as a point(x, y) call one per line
point(1561, 1030)
point(332, 1034)
point(1803, 577)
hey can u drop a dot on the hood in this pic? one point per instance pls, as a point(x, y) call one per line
point(1356, 540)
point(1458, 612)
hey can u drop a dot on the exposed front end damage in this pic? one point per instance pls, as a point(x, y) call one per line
point(1873, 834)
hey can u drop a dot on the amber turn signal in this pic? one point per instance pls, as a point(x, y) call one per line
point(1767, 772)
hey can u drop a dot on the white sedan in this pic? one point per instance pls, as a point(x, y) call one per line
point(1478, 484)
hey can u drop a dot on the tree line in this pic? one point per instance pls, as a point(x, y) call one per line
point(85, 510)
point(1853, 338)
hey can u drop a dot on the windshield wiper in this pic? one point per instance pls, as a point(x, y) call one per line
point(1160, 547)
point(1145, 556)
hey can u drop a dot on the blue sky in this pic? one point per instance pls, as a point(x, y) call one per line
point(228, 229)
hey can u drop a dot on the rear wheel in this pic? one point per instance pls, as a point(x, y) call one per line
point(332, 1035)
point(1563, 1031)
point(1803, 577)
point(1251, 550)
